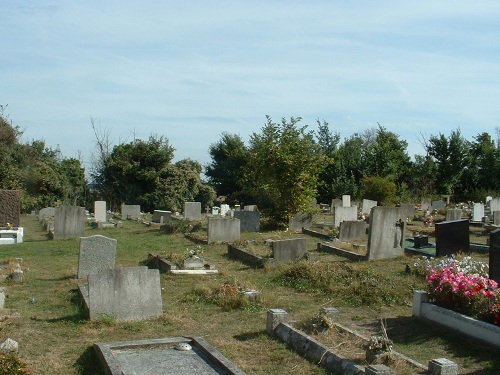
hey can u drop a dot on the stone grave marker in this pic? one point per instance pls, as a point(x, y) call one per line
point(352, 230)
point(386, 233)
point(100, 211)
point(215, 211)
point(10, 207)
point(250, 207)
point(130, 211)
point(453, 214)
point(192, 210)
point(408, 210)
point(289, 250)
point(249, 220)
point(300, 220)
point(96, 253)
point(223, 229)
point(437, 205)
point(46, 213)
point(367, 205)
point(126, 294)
point(346, 200)
point(335, 203)
point(494, 255)
point(494, 204)
point(69, 222)
point(478, 212)
point(341, 213)
point(496, 217)
point(161, 217)
point(452, 237)
point(425, 204)
point(224, 209)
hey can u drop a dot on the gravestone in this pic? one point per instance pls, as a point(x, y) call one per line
point(249, 220)
point(335, 203)
point(452, 237)
point(438, 205)
point(96, 253)
point(496, 217)
point(125, 294)
point(494, 261)
point(346, 200)
point(224, 209)
point(300, 220)
point(425, 204)
point(478, 212)
point(494, 204)
point(100, 211)
point(367, 205)
point(46, 213)
point(407, 210)
point(386, 233)
point(250, 207)
point(69, 222)
point(289, 250)
point(215, 211)
point(192, 210)
point(223, 229)
point(162, 217)
point(352, 230)
point(10, 207)
point(130, 211)
point(344, 213)
point(453, 214)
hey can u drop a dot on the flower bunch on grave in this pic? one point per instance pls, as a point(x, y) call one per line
point(465, 264)
point(195, 251)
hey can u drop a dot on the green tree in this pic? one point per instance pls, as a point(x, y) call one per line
point(328, 143)
point(379, 189)
point(285, 166)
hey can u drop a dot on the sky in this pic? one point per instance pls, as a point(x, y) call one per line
point(191, 70)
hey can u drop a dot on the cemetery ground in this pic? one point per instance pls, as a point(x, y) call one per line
point(45, 315)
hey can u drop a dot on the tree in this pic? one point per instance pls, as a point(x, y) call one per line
point(328, 144)
point(379, 189)
point(285, 165)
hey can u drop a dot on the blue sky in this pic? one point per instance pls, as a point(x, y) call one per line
point(190, 70)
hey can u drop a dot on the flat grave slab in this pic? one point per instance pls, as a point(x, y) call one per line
point(162, 356)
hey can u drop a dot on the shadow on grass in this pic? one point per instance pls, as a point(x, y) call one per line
point(88, 364)
point(247, 336)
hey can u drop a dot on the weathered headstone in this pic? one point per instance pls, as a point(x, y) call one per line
point(46, 212)
point(437, 205)
point(125, 294)
point(367, 205)
point(494, 204)
point(341, 213)
point(223, 229)
point(496, 217)
point(453, 214)
point(162, 217)
point(425, 204)
point(249, 220)
point(96, 253)
point(69, 222)
point(10, 207)
point(346, 200)
point(130, 211)
point(386, 233)
point(494, 261)
point(192, 210)
point(100, 211)
point(215, 211)
point(407, 210)
point(250, 207)
point(289, 250)
point(452, 237)
point(478, 212)
point(224, 209)
point(300, 220)
point(335, 203)
point(352, 230)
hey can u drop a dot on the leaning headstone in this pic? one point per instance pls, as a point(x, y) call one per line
point(300, 220)
point(452, 237)
point(496, 217)
point(453, 214)
point(192, 210)
point(130, 211)
point(46, 213)
point(341, 213)
point(223, 229)
point(437, 205)
point(249, 220)
point(125, 294)
point(161, 217)
point(494, 204)
point(367, 205)
point(346, 200)
point(96, 253)
point(494, 255)
point(478, 212)
point(289, 250)
point(352, 230)
point(100, 211)
point(69, 222)
point(10, 207)
point(386, 233)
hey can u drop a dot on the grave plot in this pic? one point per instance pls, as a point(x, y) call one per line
point(189, 263)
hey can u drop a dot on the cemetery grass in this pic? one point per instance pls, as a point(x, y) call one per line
point(56, 338)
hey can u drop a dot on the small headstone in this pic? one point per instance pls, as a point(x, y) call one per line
point(379, 369)
point(352, 230)
point(161, 217)
point(442, 366)
point(367, 205)
point(215, 211)
point(96, 253)
point(346, 201)
point(494, 204)
point(496, 217)
point(9, 345)
point(300, 220)
point(453, 214)
point(437, 205)
point(193, 262)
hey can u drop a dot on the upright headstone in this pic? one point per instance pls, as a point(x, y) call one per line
point(438, 205)
point(453, 214)
point(69, 222)
point(335, 203)
point(494, 204)
point(386, 233)
point(224, 209)
point(192, 210)
point(46, 212)
point(249, 220)
point(367, 205)
point(496, 217)
point(346, 200)
point(478, 212)
point(215, 211)
point(223, 229)
point(130, 211)
point(125, 294)
point(341, 213)
point(300, 220)
point(352, 230)
point(425, 204)
point(96, 253)
point(162, 217)
point(10, 207)
point(408, 210)
point(494, 261)
point(289, 250)
point(250, 207)
point(100, 211)
point(452, 237)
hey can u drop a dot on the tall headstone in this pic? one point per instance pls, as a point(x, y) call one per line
point(300, 220)
point(289, 250)
point(96, 253)
point(425, 204)
point(100, 211)
point(352, 230)
point(192, 210)
point(452, 237)
point(453, 214)
point(130, 211)
point(494, 261)
point(10, 207)
point(386, 233)
point(478, 212)
point(341, 213)
point(496, 217)
point(223, 229)
point(367, 205)
point(126, 294)
point(438, 205)
point(346, 200)
point(69, 222)
point(249, 220)
point(494, 204)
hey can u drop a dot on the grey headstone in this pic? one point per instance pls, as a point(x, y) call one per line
point(300, 220)
point(453, 214)
point(478, 212)
point(439, 204)
point(223, 229)
point(408, 210)
point(494, 204)
point(130, 211)
point(352, 230)
point(193, 262)
point(346, 200)
point(250, 207)
point(100, 211)
point(96, 253)
point(162, 217)
point(442, 366)
point(335, 203)
point(494, 255)
point(126, 294)
point(426, 204)
point(192, 210)
point(386, 233)
point(46, 212)
point(341, 213)
point(496, 217)
point(452, 237)
point(367, 205)
point(289, 250)
point(69, 222)
point(249, 220)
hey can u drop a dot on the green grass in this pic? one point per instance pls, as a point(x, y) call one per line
point(55, 337)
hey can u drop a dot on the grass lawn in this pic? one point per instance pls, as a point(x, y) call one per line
point(55, 337)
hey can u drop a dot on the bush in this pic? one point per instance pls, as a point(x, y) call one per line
point(379, 189)
point(11, 364)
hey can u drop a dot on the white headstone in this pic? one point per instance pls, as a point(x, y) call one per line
point(346, 201)
point(478, 212)
point(100, 211)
